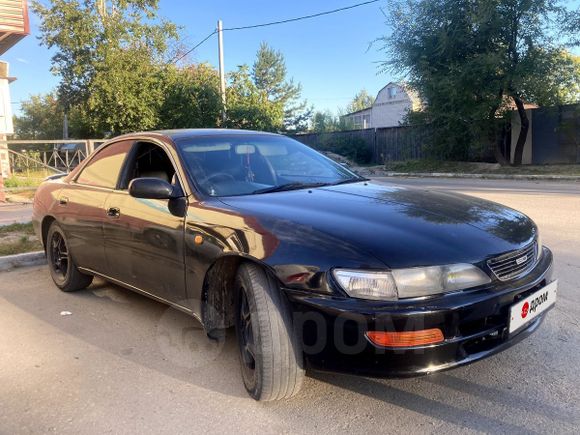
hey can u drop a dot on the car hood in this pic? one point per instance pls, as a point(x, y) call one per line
point(401, 227)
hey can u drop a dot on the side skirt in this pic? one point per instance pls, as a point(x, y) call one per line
point(142, 292)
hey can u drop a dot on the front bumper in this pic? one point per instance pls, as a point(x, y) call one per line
point(474, 324)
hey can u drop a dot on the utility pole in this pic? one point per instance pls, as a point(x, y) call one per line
point(221, 70)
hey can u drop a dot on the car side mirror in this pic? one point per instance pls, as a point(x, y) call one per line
point(151, 188)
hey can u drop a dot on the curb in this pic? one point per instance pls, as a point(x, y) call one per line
point(28, 259)
point(552, 177)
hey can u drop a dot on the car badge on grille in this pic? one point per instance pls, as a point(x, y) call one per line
point(521, 260)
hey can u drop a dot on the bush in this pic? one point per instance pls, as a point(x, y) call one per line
point(13, 182)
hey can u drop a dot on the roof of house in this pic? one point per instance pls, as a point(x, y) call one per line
point(357, 111)
point(413, 96)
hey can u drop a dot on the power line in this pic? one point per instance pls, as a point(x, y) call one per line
point(305, 17)
point(177, 59)
point(272, 23)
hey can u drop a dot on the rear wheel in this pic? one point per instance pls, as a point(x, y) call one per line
point(270, 356)
point(62, 268)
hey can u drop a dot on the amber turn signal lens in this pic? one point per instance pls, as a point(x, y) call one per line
point(406, 338)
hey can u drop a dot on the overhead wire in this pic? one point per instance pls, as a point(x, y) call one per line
point(272, 23)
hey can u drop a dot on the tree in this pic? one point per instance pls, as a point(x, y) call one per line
point(570, 23)
point(323, 122)
point(192, 98)
point(110, 57)
point(362, 100)
point(561, 85)
point(269, 75)
point(42, 118)
point(248, 107)
point(469, 58)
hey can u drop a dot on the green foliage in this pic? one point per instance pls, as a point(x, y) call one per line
point(570, 24)
point(327, 121)
point(192, 98)
point(362, 100)
point(17, 182)
point(470, 59)
point(269, 75)
point(126, 98)
point(324, 122)
point(248, 107)
point(110, 58)
point(560, 85)
point(42, 118)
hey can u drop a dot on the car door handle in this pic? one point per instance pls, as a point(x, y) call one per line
point(113, 212)
point(63, 200)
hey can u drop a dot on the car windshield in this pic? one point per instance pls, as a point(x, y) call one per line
point(246, 164)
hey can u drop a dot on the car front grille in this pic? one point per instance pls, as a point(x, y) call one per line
point(515, 263)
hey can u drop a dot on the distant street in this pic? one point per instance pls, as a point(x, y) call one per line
point(121, 363)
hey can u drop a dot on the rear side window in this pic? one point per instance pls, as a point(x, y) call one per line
point(103, 170)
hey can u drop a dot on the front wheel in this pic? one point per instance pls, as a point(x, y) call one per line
point(270, 355)
point(62, 268)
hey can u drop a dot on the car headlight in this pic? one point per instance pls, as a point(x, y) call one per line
point(539, 241)
point(409, 283)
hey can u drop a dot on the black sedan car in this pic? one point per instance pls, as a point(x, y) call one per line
point(313, 265)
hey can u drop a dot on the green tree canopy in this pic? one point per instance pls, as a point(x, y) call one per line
point(113, 60)
point(248, 107)
point(324, 121)
point(269, 75)
point(41, 117)
point(361, 100)
point(110, 57)
point(469, 59)
point(192, 98)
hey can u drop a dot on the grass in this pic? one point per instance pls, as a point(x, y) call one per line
point(17, 239)
point(19, 182)
point(428, 166)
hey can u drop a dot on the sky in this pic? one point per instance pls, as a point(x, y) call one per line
point(331, 56)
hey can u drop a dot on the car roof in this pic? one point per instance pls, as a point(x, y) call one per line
point(193, 132)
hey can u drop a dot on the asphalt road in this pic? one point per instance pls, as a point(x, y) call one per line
point(124, 364)
point(15, 213)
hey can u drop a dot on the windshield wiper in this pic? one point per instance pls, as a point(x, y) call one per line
point(288, 186)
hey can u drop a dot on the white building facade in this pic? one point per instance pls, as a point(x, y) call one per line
point(389, 109)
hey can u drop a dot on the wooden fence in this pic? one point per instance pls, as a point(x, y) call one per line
point(382, 145)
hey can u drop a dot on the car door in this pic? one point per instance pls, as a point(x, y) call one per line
point(143, 238)
point(81, 205)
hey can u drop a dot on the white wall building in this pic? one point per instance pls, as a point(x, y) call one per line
point(393, 102)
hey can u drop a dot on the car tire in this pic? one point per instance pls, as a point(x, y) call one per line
point(263, 319)
point(63, 270)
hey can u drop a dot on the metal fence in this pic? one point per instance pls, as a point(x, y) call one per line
point(556, 134)
point(29, 157)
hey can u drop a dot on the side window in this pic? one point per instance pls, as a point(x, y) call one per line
point(148, 160)
point(103, 170)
